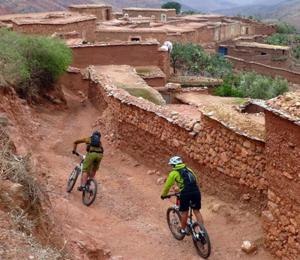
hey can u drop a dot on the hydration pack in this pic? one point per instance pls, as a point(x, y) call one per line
point(95, 140)
point(189, 179)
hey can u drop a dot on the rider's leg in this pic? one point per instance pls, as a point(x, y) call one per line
point(198, 216)
point(84, 178)
point(184, 218)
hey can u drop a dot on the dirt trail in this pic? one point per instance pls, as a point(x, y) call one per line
point(128, 214)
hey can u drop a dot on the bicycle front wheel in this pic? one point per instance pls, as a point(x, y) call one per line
point(72, 179)
point(201, 240)
point(174, 222)
point(90, 193)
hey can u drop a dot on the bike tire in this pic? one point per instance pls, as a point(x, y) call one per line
point(203, 249)
point(72, 179)
point(88, 197)
point(176, 233)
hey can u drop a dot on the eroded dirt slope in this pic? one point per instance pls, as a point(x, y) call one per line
point(128, 215)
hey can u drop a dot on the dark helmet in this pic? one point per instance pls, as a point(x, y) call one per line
point(97, 133)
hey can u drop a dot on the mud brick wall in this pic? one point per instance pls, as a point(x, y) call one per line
point(282, 218)
point(102, 13)
point(241, 64)
point(85, 28)
point(134, 54)
point(149, 13)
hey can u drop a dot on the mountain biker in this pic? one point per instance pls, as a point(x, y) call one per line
point(189, 190)
point(93, 157)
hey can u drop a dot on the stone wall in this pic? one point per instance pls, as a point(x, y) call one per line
point(242, 64)
point(282, 218)
point(229, 162)
point(133, 54)
point(85, 28)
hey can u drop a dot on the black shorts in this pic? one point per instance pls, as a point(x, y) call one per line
point(190, 198)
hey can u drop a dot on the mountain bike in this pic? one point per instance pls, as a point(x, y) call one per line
point(89, 193)
point(197, 230)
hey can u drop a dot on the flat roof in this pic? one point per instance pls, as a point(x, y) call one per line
point(147, 9)
point(48, 18)
point(262, 46)
point(87, 6)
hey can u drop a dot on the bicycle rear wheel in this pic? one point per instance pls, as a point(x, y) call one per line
point(173, 218)
point(72, 179)
point(89, 195)
point(201, 240)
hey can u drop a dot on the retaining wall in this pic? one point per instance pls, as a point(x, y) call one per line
point(241, 64)
point(228, 162)
point(132, 54)
point(282, 218)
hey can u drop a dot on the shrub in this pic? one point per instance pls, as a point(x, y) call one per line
point(278, 39)
point(31, 63)
point(285, 28)
point(252, 85)
point(296, 52)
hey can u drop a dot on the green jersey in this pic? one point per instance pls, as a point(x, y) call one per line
point(175, 177)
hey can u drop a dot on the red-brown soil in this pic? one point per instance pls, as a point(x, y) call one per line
point(128, 215)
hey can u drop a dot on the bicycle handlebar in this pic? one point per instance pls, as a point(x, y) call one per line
point(177, 194)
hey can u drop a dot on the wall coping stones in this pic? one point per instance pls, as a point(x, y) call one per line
point(161, 111)
point(104, 44)
point(278, 112)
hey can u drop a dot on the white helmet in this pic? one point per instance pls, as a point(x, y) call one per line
point(175, 160)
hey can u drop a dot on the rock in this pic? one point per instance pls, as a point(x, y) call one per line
point(216, 208)
point(267, 216)
point(287, 175)
point(160, 180)
point(118, 257)
point(151, 172)
point(246, 197)
point(248, 247)
point(197, 127)
point(158, 173)
point(247, 144)
point(3, 121)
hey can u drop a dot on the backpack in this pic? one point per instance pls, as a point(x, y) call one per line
point(95, 140)
point(189, 179)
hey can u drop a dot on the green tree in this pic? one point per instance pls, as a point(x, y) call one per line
point(192, 59)
point(172, 5)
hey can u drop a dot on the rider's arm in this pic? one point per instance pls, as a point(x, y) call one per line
point(169, 183)
point(80, 141)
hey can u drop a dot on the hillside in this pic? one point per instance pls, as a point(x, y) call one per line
point(287, 11)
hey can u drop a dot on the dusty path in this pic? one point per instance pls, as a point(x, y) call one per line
point(128, 213)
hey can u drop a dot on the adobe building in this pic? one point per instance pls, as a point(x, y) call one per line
point(273, 55)
point(281, 219)
point(162, 15)
point(199, 29)
point(102, 12)
point(53, 23)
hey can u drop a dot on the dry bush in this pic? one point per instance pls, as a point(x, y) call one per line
point(17, 169)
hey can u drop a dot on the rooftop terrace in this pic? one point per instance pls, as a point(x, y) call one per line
point(262, 46)
point(46, 18)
